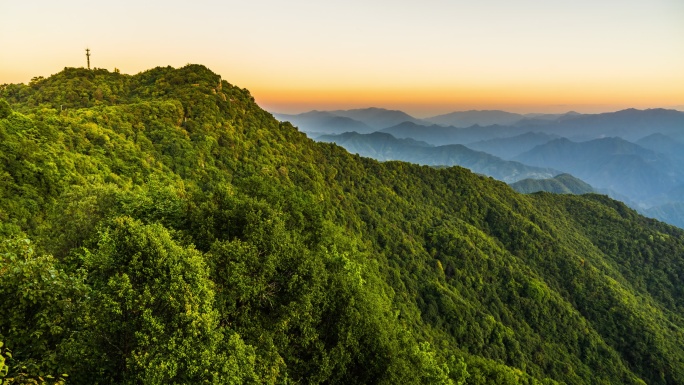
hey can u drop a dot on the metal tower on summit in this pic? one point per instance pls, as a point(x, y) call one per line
point(88, 56)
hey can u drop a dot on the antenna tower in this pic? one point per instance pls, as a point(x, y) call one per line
point(88, 56)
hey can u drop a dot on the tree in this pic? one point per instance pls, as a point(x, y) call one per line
point(38, 301)
point(5, 109)
point(151, 318)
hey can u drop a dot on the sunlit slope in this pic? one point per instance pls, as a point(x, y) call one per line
point(162, 228)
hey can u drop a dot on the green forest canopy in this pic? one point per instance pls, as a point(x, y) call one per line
point(162, 228)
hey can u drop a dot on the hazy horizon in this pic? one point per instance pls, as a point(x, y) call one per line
point(416, 110)
point(591, 110)
point(426, 59)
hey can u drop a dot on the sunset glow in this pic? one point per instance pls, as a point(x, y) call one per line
point(427, 58)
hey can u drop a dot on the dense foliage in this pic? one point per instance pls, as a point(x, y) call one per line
point(162, 228)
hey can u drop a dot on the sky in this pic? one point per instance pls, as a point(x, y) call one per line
point(426, 58)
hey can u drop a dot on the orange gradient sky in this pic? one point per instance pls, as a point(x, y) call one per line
point(426, 58)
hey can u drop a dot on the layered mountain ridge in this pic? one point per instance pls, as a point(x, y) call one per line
point(631, 155)
point(383, 147)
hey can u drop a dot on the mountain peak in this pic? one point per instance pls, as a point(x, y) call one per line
point(476, 117)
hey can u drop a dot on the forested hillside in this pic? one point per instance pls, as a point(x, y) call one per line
point(162, 228)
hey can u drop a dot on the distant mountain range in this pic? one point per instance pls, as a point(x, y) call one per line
point(610, 163)
point(632, 155)
point(672, 213)
point(559, 184)
point(362, 121)
point(464, 119)
point(665, 145)
point(508, 148)
point(324, 122)
point(630, 124)
point(378, 118)
point(481, 118)
point(383, 146)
